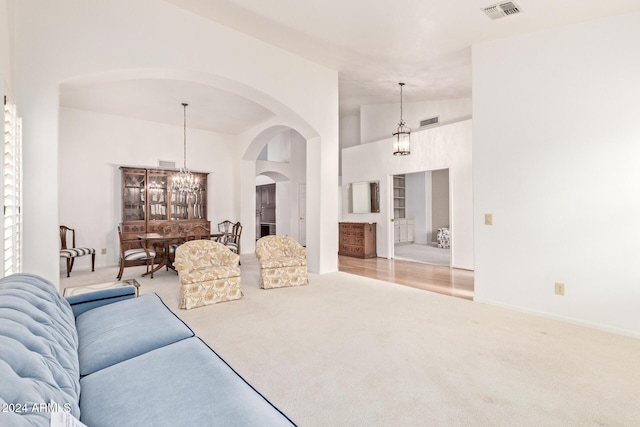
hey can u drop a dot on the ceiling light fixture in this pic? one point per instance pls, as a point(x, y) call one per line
point(402, 136)
point(185, 181)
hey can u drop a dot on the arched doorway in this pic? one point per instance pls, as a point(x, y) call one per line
point(281, 171)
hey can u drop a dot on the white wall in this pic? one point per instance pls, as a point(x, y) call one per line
point(556, 154)
point(379, 121)
point(92, 147)
point(349, 134)
point(58, 42)
point(418, 206)
point(441, 205)
point(6, 43)
point(447, 146)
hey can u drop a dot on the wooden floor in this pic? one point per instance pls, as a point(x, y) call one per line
point(434, 278)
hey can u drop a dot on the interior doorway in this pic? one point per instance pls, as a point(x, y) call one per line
point(421, 217)
point(265, 210)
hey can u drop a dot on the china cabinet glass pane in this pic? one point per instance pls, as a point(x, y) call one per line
point(157, 197)
point(133, 197)
point(199, 202)
point(179, 205)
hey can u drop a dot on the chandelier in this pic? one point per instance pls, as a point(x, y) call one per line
point(402, 135)
point(185, 181)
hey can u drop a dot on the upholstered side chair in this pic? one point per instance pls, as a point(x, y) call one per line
point(71, 252)
point(283, 262)
point(208, 272)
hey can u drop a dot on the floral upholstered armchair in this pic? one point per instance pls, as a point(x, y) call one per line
point(208, 272)
point(283, 262)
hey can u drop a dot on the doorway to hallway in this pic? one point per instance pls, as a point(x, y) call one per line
point(421, 213)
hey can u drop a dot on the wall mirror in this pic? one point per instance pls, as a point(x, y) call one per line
point(364, 197)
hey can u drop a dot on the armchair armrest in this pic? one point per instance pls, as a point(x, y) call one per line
point(90, 300)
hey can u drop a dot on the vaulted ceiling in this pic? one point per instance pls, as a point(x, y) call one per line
point(372, 44)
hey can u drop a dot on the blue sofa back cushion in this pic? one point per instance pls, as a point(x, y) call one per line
point(39, 360)
point(125, 329)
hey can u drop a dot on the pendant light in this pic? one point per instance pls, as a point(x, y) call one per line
point(185, 181)
point(402, 135)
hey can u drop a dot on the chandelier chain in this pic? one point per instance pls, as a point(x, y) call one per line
point(184, 106)
point(185, 181)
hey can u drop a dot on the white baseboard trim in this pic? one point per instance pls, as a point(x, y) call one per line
point(566, 319)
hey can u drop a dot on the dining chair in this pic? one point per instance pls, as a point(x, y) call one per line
point(225, 227)
point(133, 253)
point(73, 252)
point(233, 238)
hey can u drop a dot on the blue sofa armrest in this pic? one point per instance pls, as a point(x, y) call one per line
point(87, 301)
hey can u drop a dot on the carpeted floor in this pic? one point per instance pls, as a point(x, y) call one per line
point(352, 351)
point(427, 254)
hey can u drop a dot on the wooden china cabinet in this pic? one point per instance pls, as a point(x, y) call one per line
point(150, 204)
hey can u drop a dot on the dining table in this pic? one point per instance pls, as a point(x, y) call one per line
point(162, 244)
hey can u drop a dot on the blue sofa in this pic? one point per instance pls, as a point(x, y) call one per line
point(113, 360)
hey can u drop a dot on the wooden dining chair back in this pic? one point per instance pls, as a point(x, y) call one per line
point(225, 227)
point(233, 238)
point(133, 253)
point(69, 250)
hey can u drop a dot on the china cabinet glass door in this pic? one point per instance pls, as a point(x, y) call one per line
point(157, 197)
point(134, 200)
point(179, 205)
point(199, 200)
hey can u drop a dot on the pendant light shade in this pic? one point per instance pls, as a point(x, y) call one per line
point(402, 135)
point(185, 181)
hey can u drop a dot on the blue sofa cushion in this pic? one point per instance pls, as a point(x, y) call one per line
point(125, 329)
point(90, 300)
point(141, 391)
point(38, 342)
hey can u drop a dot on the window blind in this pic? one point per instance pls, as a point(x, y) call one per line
point(12, 190)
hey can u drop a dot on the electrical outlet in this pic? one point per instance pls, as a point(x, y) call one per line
point(104, 251)
point(559, 288)
point(488, 219)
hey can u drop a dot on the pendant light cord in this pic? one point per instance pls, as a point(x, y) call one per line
point(185, 135)
point(401, 84)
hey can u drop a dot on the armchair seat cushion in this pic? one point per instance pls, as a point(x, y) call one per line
point(138, 254)
point(282, 261)
point(76, 252)
point(212, 273)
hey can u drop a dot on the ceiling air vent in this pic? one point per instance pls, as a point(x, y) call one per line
point(166, 164)
point(500, 10)
point(428, 122)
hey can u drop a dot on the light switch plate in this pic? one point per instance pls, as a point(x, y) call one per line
point(488, 219)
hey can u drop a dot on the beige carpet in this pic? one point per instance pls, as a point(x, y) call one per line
point(352, 351)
